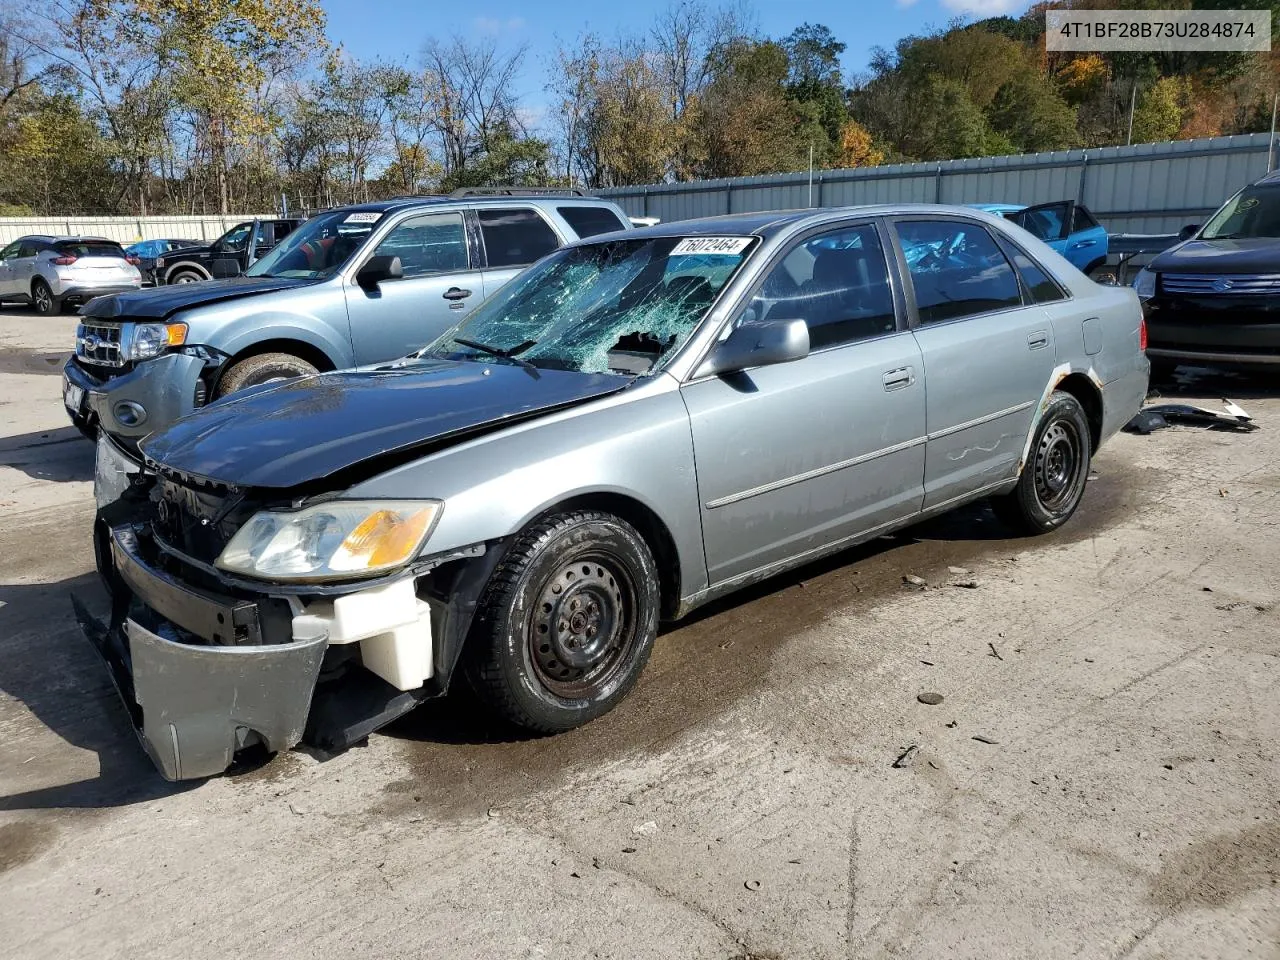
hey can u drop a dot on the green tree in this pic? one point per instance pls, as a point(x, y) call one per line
point(1160, 111)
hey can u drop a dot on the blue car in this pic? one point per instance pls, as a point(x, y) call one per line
point(1065, 225)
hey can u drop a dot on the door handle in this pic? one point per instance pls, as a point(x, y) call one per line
point(456, 293)
point(897, 379)
point(1037, 340)
point(1083, 243)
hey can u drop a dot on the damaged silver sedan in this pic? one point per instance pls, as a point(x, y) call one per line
point(632, 427)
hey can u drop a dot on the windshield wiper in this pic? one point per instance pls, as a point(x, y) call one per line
point(504, 354)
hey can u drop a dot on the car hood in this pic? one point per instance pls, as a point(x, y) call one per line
point(159, 303)
point(1246, 255)
point(305, 430)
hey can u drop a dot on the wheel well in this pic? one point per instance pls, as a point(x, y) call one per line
point(655, 533)
point(1094, 265)
point(1083, 389)
point(297, 348)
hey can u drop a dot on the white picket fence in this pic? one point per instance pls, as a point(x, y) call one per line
point(126, 230)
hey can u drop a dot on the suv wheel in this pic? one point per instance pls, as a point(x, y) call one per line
point(185, 276)
point(42, 298)
point(566, 623)
point(264, 368)
point(1053, 479)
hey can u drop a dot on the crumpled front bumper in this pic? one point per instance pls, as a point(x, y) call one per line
point(194, 705)
point(163, 389)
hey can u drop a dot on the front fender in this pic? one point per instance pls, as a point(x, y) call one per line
point(635, 444)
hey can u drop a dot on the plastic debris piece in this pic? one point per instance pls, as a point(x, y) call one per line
point(644, 829)
point(906, 757)
point(912, 580)
point(752, 885)
point(931, 699)
point(988, 740)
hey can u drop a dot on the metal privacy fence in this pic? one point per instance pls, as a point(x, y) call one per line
point(126, 230)
point(1147, 188)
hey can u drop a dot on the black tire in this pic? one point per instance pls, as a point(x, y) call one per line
point(566, 623)
point(1056, 472)
point(263, 368)
point(43, 300)
point(185, 276)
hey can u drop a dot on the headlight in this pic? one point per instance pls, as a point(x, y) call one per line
point(152, 339)
point(1145, 284)
point(338, 539)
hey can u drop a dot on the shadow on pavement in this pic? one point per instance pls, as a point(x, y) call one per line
point(1199, 382)
point(58, 455)
point(52, 670)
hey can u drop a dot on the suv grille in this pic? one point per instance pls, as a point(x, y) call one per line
point(1221, 284)
point(99, 344)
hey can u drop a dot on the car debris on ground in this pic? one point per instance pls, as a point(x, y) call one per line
point(1161, 415)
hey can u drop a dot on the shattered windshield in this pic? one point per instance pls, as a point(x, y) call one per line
point(618, 306)
point(1253, 212)
point(319, 247)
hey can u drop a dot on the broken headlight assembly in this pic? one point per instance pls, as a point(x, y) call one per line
point(152, 339)
point(340, 539)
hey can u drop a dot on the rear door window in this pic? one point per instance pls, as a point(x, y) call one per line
point(587, 221)
point(515, 237)
point(1044, 289)
point(956, 270)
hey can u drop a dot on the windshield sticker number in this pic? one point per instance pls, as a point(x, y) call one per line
point(722, 245)
point(362, 218)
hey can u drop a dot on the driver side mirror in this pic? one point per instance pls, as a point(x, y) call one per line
point(1189, 231)
point(758, 344)
point(377, 269)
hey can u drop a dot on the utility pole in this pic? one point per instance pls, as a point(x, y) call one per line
point(811, 171)
point(1271, 144)
point(1133, 102)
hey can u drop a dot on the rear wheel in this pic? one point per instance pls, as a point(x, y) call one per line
point(264, 368)
point(566, 623)
point(42, 298)
point(1057, 469)
point(185, 276)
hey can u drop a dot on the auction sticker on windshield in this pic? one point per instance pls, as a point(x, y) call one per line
point(724, 245)
point(362, 218)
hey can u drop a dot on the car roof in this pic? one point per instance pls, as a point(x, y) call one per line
point(770, 223)
point(62, 238)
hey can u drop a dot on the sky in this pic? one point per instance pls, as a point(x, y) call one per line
point(396, 29)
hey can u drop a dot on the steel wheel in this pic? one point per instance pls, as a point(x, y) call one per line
point(581, 627)
point(186, 278)
point(1057, 464)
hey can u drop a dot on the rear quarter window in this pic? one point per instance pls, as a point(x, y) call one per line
point(588, 221)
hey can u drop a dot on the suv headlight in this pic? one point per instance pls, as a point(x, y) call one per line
point(1144, 285)
point(334, 540)
point(152, 339)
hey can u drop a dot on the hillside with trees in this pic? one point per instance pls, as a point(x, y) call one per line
point(192, 106)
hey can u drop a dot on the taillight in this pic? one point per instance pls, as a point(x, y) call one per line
point(134, 260)
point(1142, 334)
point(64, 261)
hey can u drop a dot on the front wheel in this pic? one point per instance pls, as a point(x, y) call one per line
point(567, 622)
point(1057, 469)
point(43, 300)
point(264, 368)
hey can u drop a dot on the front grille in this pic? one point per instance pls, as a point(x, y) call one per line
point(1239, 284)
point(99, 344)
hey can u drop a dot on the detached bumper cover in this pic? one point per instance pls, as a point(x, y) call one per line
point(194, 705)
point(199, 703)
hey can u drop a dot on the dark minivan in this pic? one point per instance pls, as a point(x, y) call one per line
point(1214, 297)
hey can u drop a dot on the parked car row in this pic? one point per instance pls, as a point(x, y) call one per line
point(643, 421)
point(51, 272)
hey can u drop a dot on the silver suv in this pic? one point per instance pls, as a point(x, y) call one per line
point(49, 272)
point(351, 286)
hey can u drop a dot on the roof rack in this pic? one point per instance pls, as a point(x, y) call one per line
point(519, 192)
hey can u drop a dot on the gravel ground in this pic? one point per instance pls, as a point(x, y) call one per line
point(1099, 780)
